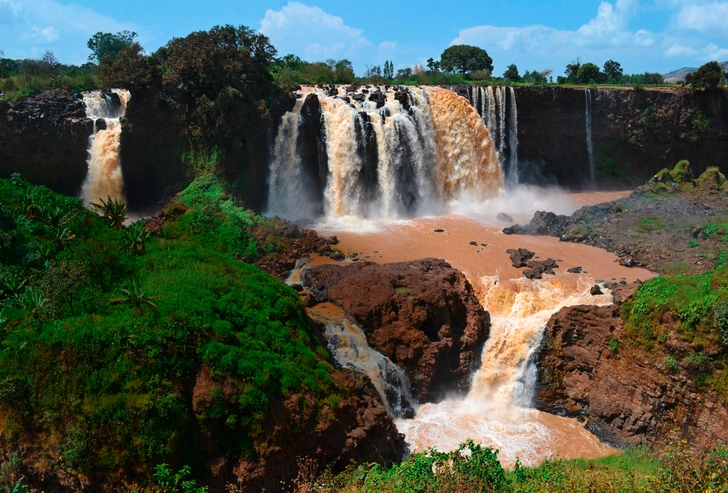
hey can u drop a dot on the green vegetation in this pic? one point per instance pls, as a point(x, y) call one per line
point(708, 76)
point(466, 60)
point(473, 468)
point(102, 343)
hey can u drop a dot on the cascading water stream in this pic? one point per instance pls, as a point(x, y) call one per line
point(407, 154)
point(498, 110)
point(497, 411)
point(104, 178)
point(348, 345)
point(589, 144)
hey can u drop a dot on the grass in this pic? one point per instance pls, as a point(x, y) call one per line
point(21, 86)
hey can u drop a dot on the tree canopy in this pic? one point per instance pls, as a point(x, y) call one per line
point(588, 73)
point(511, 73)
point(708, 76)
point(465, 59)
point(104, 45)
point(613, 70)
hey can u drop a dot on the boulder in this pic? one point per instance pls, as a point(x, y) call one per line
point(520, 257)
point(423, 315)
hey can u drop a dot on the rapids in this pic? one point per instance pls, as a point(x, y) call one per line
point(409, 173)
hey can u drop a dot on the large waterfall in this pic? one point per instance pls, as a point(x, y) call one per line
point(498, 110)
point(380, 153)
point(104, 177)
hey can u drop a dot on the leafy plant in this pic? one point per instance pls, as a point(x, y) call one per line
point(113, 211)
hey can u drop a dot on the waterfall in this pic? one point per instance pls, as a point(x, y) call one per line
point(347, 343)
point(498, 110)
point(389, 153)
point(513, 172)
point(497, 411)
point(104, 178)
point(348, 346)
point(589, 144)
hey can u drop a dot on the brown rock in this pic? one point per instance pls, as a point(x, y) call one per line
point(423, 315)
point(628, 396)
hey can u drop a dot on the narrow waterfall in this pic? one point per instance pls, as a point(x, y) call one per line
point(388, 153)
point(589, 144)
point(497, 410)
point(513, 172)
point(104, 178)
point(348, 346)
point(498, 110)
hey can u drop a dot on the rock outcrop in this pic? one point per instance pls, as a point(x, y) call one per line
point(625, 394)
point(357, 429)
point(423, 315)
point(45, 138)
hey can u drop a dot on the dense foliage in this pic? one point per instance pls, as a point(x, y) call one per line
point(473, 468)
point(465, 60)
point(708, 76)
point(103, 342)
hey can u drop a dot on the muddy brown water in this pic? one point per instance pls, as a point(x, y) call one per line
point(497, 412)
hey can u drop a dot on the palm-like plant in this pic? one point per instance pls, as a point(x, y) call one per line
point(135, 237)
point(113, 211)
point(12, 283)
point(135, 296)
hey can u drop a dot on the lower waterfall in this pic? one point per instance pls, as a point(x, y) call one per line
point(104, 177)
point(497, 411)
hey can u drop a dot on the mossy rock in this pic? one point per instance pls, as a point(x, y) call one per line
point(711, 179)
point(662, 176)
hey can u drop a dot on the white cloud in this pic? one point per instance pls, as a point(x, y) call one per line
point(45, 35)
point(319, 35)
point(29, 26)
point(708, 19)
point(609, 27)
point(680, 51)
point(713, 52)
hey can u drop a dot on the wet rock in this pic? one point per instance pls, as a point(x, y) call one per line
point(403, 96)
point(474, 243)
point(359, 97)
point(542, 224)
point(628, 261)
point(575, 270)
point(325, 251)
point(595, 290)
point(695, 231)
point(378, 97)
point(338, 256)
point(504, 217)
point(423, 315)
point(332, 240)
point(520, 257)
point(438, 230)
point(626, 397)
point(537, 268)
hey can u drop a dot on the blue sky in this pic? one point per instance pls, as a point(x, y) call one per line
point(643, 35)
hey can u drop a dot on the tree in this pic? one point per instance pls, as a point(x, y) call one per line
point(572, 69)
point(135, 237)
point(588, 74)
point(104, 45)
point(344, 72)
point(433, 66)
point(135, 296)
point(128, 69)
point(708, 76)
point(613, 71)
point(465, 59)
point(511, 73)
point(388, 70)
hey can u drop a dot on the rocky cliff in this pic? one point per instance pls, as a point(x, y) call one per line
point(423, 315)
point(635, 133)
point(625, 394)
point(45, 138)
